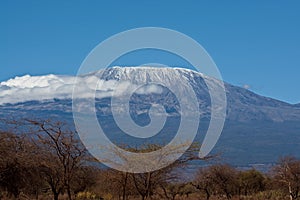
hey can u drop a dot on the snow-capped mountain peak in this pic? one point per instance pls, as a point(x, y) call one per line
point(28, 88)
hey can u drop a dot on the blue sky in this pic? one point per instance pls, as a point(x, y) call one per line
point(254, 43)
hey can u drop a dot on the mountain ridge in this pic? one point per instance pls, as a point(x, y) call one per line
point(242, 104)
point(43, 79)
point(257, 129)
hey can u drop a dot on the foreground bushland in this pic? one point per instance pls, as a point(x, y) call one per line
point(48, 161)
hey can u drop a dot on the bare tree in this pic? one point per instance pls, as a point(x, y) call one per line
point(171, 190)
point(61, 154)
point(288, 172)
point(85, 178)
point(10, 168)
point(17, 166)
point(147, 183)
point(204, 182)
point(117, 183)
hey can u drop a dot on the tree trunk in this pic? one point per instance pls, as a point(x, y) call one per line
point(291, 192)
point(55, 195)
point(55, 192)
point(69, 193)
point(228, 196)
point(148, 184)
point(36, 195)
point(207, 195)
point(124, 186)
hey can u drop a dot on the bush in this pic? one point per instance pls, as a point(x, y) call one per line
point(86, 195)
point(270, 195)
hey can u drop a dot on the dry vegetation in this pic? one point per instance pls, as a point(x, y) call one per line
point(47, 161)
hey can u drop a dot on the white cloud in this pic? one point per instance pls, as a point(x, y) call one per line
point(148, 89)
point(246, 86)
point(26, 88)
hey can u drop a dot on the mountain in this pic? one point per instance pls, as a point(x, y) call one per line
point(257, 129)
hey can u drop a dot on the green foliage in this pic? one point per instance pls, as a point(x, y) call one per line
point(250, 182)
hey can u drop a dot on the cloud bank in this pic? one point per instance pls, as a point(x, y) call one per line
point(28, 88)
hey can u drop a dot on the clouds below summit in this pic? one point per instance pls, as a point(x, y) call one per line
point(28, 88)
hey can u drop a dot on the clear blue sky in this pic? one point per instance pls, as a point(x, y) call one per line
point(255, 43)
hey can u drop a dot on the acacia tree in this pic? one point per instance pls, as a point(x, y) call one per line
point(187, 190)
point(10, 169)
point(220, 179)
point(146, 184)
point(16, 163)
point(61, 154)
point(204, 182)
point(171, 190)
point(250, 182)
point(288, 172)
point(224, 178)
point(116, 183)
point(85, 178)
point(51, 173)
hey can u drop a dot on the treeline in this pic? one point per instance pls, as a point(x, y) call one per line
point(46, 160)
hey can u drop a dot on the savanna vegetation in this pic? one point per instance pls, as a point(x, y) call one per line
point(47, 161)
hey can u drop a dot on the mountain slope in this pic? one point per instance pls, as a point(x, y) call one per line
point(243, 105)
point(257, 129)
